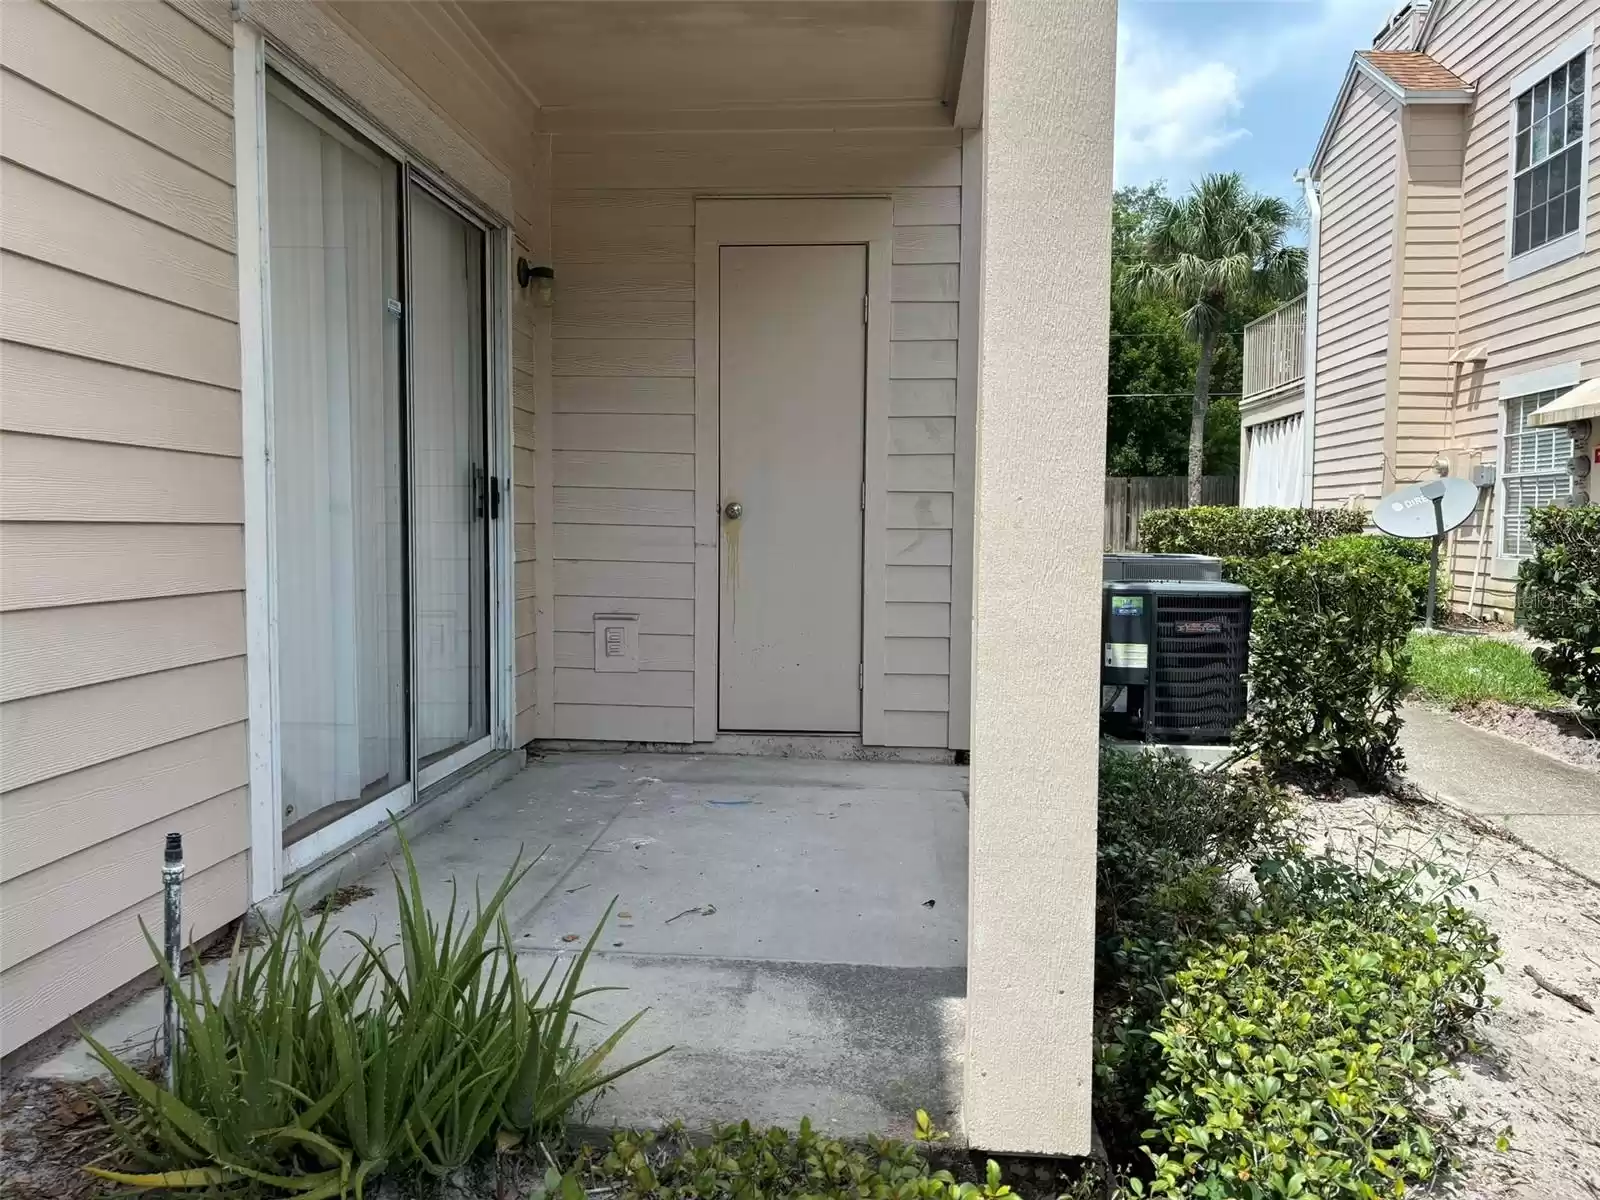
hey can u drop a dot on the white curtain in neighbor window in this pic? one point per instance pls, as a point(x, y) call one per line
point(333, 225)
point(449, 457)
point(1275, 465)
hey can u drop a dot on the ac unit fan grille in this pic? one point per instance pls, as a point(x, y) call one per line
point(1197, 691)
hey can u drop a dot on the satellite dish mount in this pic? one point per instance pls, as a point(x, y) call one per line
point(1427, 510)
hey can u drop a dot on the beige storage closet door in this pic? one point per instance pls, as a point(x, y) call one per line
point(793, 408)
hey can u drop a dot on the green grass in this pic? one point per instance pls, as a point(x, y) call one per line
point(1454, 670)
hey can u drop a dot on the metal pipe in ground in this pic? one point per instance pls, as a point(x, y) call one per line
point(172, 893)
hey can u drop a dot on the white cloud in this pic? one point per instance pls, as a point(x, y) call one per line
point(1179, 101)
point(1172, 111)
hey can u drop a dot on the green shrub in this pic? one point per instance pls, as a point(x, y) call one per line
point(741, 1163)
point(1328, 659)
point(1295, 1051)
point(1561, 600)
point(314, 1082)
point(1168, 835)
point(1263, 1013)
point(1244, 532)
point(1171, 840)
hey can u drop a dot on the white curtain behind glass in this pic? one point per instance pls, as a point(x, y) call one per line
point(333, 230)
point(448, 458)
point(1275, 471)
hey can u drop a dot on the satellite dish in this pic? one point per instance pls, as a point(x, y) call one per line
point(1427, 510)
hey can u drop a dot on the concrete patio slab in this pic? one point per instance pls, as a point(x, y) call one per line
point(796, 927)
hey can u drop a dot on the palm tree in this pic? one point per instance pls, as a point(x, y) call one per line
point(1214, 250)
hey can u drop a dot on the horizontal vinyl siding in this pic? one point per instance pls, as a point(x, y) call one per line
point(121, 549)
point(1435, 140)
point(623, 455)
point(1360, 188)
point(1546, 318)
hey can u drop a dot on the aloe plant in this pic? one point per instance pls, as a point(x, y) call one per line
point(414, 1057)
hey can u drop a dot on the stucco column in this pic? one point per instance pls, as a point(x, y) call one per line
point(1040, 493)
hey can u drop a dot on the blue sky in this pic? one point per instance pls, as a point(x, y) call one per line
point(1231, 85)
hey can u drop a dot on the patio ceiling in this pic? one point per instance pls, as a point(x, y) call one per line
point(633, 63)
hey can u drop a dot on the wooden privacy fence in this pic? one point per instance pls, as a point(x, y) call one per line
point(1129, 497)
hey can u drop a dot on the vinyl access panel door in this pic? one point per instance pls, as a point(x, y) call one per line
point(792, 386)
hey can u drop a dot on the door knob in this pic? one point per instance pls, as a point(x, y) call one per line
point(733, 510)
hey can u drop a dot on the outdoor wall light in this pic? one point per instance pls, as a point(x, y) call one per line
point(543, 279)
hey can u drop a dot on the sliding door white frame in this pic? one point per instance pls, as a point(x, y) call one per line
point(270, 861)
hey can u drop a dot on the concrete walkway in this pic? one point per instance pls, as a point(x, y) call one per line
point(1552, 807)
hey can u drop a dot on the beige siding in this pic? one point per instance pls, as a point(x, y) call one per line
point(1429, 257)
point(623, 415)
point(1547, 318)
point(1360, 192)
point(122, 686)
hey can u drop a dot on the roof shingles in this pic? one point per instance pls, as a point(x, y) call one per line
point(1415, 71)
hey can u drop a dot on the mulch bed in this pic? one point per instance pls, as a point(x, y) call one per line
point(51, 1129)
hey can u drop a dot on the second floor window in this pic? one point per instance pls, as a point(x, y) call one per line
point(1548, 171)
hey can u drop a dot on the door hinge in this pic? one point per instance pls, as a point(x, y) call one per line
point(866, 310)
point(861, 677)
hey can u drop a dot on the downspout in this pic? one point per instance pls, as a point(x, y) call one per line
point(1309, 367)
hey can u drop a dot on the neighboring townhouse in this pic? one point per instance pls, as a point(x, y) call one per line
point(1453, 307)
point(389, 386)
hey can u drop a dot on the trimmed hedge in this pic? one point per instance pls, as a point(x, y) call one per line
point(1244, 532)
point(1268, 1020)
point(1561, 600)
point(1328, 659)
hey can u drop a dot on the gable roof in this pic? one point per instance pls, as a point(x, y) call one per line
point(1413, 71)
point(1410, 76)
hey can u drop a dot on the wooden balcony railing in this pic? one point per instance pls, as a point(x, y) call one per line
point(1275, 348)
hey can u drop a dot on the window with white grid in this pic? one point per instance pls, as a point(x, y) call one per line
point(1533, 466)
point(1547, 175)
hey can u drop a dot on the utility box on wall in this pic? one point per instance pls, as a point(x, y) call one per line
point(616, 641)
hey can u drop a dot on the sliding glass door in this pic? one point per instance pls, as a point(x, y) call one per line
point(450, 459)
point(382, 491)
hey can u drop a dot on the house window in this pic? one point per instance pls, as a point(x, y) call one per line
point(1534, 469)
point(1548, 169)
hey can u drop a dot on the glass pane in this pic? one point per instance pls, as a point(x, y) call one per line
point(1520, 236)
point(1541, 184)
point(1558, 175)
point(1558, 129)
point(1571, 222)
point(449, 471)
point(1541, 139)
point(1574, 120)
point(1524, 110)
point(1536, 226)
point(1558, 86)
point(1576, 74)
point(1524, 194)
point(332, 206)
point(1541, 98)
point(1523, 142)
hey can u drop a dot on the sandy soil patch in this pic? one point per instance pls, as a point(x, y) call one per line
point(1539, 1071)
